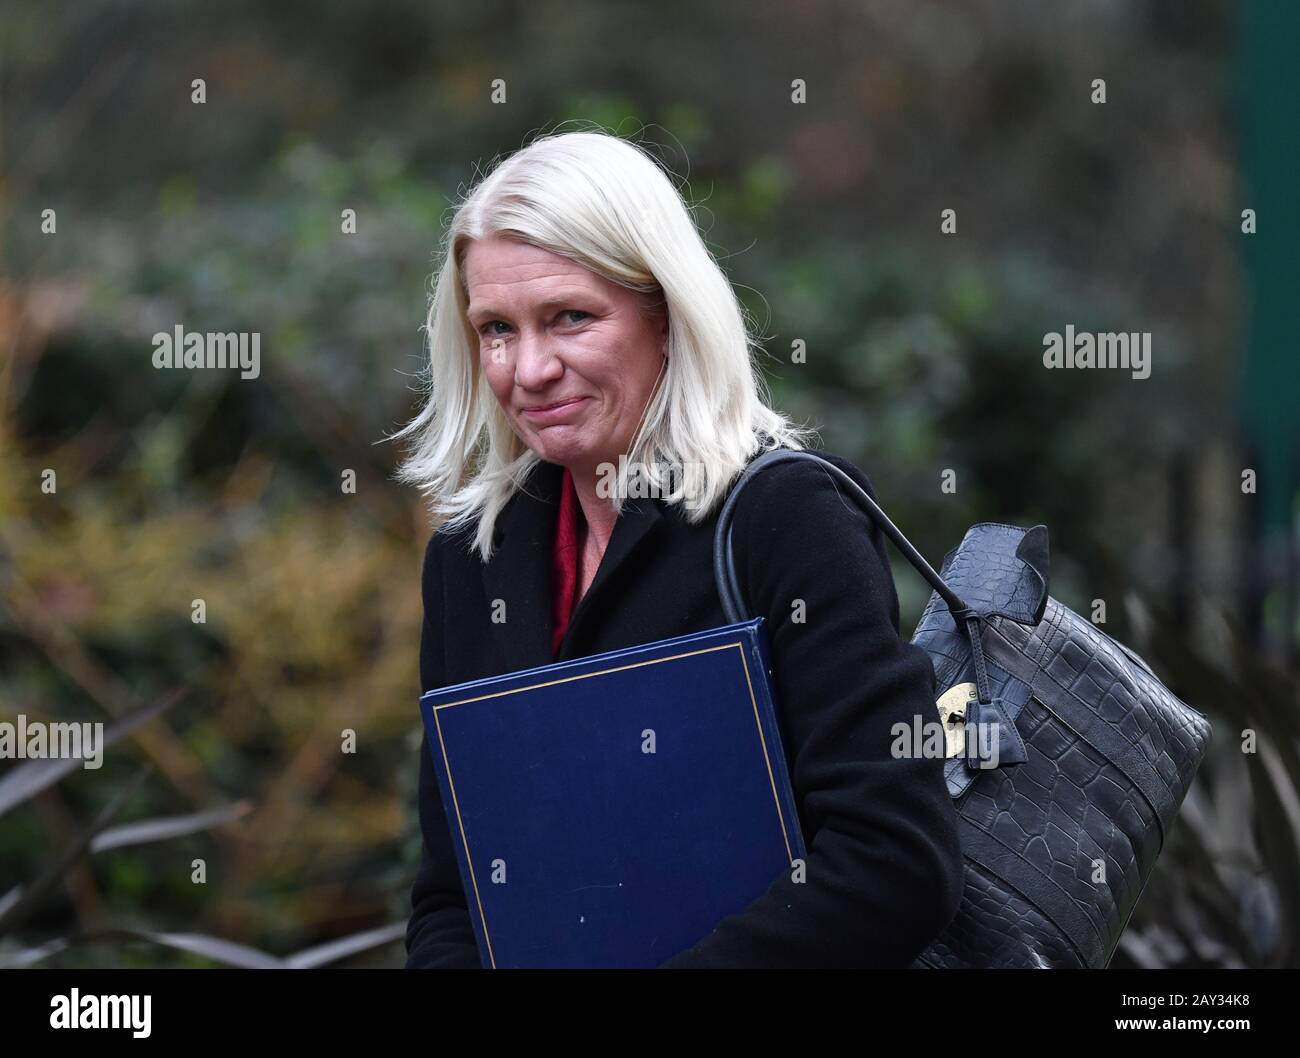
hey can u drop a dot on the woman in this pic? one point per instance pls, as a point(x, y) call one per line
point(578, 319)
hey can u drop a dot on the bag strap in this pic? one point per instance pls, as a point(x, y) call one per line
point(733, 599)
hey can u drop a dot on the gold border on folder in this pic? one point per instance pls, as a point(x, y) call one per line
point(771, 778)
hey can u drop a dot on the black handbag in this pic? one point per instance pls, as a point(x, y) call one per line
point(1067, 758)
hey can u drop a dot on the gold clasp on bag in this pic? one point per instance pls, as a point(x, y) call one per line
point(952, 714)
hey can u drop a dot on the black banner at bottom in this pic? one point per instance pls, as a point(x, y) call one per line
point(342, 1007)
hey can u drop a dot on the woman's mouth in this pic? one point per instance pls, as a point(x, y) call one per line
point(557, 412)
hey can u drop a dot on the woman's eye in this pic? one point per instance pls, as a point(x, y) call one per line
point(575, 312)
point(487, 328)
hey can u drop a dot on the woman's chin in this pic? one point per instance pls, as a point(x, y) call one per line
point(562, 444)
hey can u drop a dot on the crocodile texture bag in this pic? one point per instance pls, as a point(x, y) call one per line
point(1067, 757)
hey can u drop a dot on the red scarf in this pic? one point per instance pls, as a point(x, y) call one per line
point(564, 562)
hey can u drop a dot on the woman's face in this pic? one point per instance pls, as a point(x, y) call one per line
point(571, 357)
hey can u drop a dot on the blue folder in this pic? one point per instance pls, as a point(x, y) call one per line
point(610, 811)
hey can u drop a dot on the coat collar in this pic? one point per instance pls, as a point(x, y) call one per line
point(519, 571)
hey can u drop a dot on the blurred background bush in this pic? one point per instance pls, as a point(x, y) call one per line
point(924, 355)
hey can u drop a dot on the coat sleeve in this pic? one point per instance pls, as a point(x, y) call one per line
point(438, 934)
point(883, 867)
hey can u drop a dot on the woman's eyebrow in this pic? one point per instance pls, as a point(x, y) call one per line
point(553, 302)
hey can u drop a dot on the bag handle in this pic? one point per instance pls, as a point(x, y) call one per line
point(733, 599)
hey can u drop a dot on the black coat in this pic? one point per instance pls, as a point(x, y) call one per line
point(884, 867)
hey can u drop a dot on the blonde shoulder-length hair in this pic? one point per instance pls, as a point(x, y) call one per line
point(606, 203)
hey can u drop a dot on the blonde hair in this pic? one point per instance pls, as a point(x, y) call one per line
point(605, 203)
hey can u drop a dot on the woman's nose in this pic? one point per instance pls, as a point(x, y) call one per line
point(535, 361)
